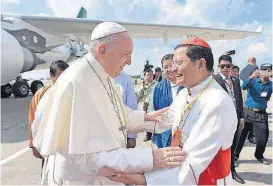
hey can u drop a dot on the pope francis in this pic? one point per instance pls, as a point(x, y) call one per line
point(83, 128)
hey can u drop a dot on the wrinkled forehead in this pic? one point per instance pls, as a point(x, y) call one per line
point(180, 54)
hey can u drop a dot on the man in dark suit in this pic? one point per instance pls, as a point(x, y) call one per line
point(232, 86)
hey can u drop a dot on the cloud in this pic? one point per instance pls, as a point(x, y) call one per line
point(10, 2)
point(70, 8)
point(231, 14)
point(258, 47)
point(42, 14)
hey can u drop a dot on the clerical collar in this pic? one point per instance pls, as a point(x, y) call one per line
point(173, 85)
point(196, 89)
point(223, 76)
point(96, 65)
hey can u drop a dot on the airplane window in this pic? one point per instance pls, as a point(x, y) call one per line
point(35, 39)
point(24, 38)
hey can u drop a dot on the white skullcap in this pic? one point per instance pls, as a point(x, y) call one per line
point(106, 29)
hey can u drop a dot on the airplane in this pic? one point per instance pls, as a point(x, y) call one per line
point(30, 41)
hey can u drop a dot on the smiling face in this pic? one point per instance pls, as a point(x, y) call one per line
point(167, 70)
point(116, 55)
point(186, 71)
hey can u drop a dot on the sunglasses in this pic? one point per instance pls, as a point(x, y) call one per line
point(225, 65)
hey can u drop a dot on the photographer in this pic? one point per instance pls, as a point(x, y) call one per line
point(259, 89)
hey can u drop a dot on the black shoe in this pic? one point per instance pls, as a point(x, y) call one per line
point(252, 140)
point(264, 161)
point(237, 178)
point(147, 138)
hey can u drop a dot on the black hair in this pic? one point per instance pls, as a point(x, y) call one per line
point(57, 65)
point(225, 58)
point(148, 70)
point(166, 57)
point(236, 67)
point(198, 52)
point(157, 69)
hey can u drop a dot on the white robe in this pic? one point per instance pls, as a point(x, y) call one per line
point(79, 132)
point(210, 125)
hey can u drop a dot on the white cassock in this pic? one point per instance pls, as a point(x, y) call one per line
point(209, 126)
point(79, 131)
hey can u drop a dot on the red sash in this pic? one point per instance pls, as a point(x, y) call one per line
point(219, 168)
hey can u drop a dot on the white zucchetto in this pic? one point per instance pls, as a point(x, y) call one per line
point(105, 29)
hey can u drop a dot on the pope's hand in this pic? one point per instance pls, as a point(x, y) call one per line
point(168, 157)
point(154, 116)
point(129, 179)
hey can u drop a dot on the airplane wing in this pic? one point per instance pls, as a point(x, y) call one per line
point(77, 29)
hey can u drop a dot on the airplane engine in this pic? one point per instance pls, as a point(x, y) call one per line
point(12, 61)
point(29, 60)
point(15, 58)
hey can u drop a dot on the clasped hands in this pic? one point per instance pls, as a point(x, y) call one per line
point(162, 158)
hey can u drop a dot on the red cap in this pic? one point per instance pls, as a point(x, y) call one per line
point(196, 42)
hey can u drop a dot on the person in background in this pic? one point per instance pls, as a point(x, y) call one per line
point(244, 75)
point(55, 70)
point(126, 86)
point(259, 90)
point(232, 86)
point(145, 93)
point(163, 95)
point(235, 71)
point(249, 69)
point(158, 74)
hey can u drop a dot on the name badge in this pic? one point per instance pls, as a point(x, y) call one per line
point(263, 94)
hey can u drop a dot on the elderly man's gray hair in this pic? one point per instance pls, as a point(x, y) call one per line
point(107, 40)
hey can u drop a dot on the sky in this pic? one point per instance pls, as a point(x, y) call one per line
point(250, 15)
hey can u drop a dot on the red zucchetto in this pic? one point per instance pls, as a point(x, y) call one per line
point(195, 41)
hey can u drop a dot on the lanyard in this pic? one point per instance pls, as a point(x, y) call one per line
point(190, 105)
point(177, 134)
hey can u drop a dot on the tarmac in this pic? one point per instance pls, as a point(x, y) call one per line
point(19, 167)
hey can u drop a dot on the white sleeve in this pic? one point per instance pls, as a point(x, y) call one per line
point(216, 130)
point(110, 163)
point(39, 113)
point(136, 124)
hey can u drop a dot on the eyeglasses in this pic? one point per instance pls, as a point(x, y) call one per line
point(177, 63)
point(225, 65)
